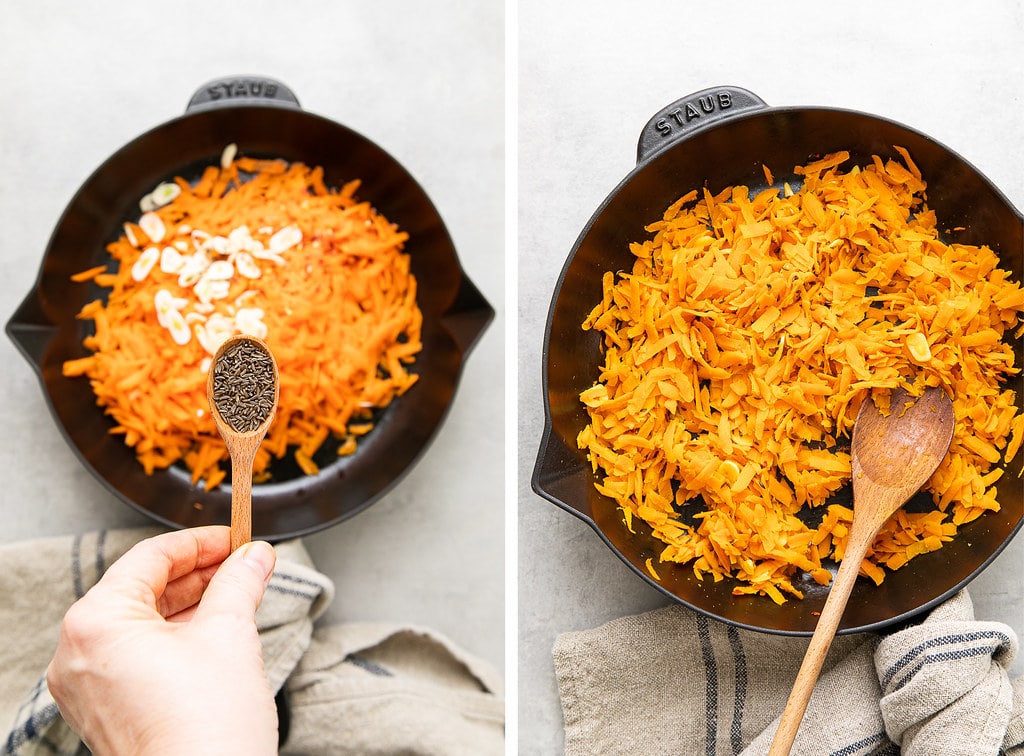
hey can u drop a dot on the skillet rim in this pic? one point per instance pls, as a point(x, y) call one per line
point(551, 442)
point(462, 315)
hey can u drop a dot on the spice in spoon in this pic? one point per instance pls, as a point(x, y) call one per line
point(244, 388)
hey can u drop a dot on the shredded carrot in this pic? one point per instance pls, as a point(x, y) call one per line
point(262, 247)
point(651, 570)
point(88, 275)
point(739, 348)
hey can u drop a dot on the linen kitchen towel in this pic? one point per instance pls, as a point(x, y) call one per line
point(374, 688)
point(670, 681)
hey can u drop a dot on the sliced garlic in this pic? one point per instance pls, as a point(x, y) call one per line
point(194, 267)
point(220, 270)
point(917, 345)
point(145, 263)
point(264, 254)
point(214, 332)
point(285, 239)
point(171, 260)
point(729, 470)
point(165, 193)
point(129, 234)
point(244, 297)
point(227, 157)
point(239, 238)
point(164, 303)
point(179, 329)
point(199, 238)
point(219, 244)
point(209, 289)
point(249, 320)
point(246, 265)
point(153, 226)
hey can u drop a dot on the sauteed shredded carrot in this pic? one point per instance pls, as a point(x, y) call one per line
point(738, 349)
point(262, 247)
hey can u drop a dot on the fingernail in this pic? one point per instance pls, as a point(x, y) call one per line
point(261, 556)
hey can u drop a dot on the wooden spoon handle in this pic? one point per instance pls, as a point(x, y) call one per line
point(821, 641)
point(241, 495)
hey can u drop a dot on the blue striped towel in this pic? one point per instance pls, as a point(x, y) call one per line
point(671, 681)
point(347, 688)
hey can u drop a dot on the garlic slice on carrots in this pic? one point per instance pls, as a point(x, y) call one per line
point(171, 260)
point(246, 265)
point(194, 267)
point(153, 226)
point(179, 329)
point(227, 157)
point(285, 239)
point(249, 320)
point(165, 193)
point(214, 332)
point(144, 264)
point(164, 303)
point(917, 345)
point(220, 270)
point(209, 289)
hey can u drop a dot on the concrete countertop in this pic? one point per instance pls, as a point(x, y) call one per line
point(81, 80)
point(590, 76)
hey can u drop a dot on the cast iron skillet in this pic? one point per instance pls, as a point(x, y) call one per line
point(263, 117)
point(720, 137)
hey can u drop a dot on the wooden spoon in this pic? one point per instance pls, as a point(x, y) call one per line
point(891, 458)
point(242, 387)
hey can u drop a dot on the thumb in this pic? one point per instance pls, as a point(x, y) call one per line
point(239, 583)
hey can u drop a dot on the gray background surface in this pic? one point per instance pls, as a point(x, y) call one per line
point(590, 75)
point(82, 79)
point(426, 82)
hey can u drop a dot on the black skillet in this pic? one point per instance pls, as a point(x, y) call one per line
point(263, 117)
point(720, 137)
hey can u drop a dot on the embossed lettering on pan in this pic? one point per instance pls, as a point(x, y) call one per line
point(690, 110)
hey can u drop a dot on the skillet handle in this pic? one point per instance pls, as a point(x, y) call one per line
point(241, 90)
point(692, 113)
point(561, 478)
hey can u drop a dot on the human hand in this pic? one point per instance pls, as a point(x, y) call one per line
point(162, 655)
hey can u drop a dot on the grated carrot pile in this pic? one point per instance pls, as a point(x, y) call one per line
point(739, 348)
point(261, 247)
